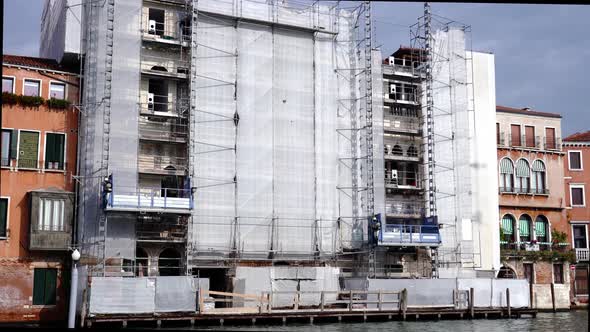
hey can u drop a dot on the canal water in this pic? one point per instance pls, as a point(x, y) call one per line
point(573, 321)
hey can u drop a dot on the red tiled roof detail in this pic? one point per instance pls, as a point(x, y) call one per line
point(525, 111)
point(33, 62)
point(578, 137)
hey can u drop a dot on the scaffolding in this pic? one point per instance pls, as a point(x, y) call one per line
point(446, 100)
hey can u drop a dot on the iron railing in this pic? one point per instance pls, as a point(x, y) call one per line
point(161, 163)
point(409, 209)
point(582, 254)
point(404, 179)
point(165, 131)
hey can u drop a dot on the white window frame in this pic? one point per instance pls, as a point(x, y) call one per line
point(25, 79)
point(13, 81)
point(38, 149)
point(578, 185)
point(579, 223)
point(7, 218)
point(11, 138)
point(65, 150)
point(51, 82)
point(569, 164)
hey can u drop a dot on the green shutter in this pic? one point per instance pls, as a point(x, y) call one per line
point(59, 146)
point(13, 143)
point(28, 149)
point(507, 225)
point(39, 287)
point(3, 216)
point(540, 229)
point(524, 227)
point(50, 286)
point(54, 149)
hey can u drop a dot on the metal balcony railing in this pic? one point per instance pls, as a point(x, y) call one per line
point(401, 124)
point(532, 191)
point(552, 144)
point(164, 66)
point(582, 254)
point(149, 198)
point(537, 143)
point(409, 234)
point(167, 31)
point(409, 97)
point(403, 180)
point(165, 107)
point(169, 131)
point(404, 209)
point(161, 164)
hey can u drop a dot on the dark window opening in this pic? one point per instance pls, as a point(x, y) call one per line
point(558, 273)
point(169, 263)
point(158, 93)
point(3, 217)
point(529, 272)
point(580, 241)
point(575, 160)
point(141, 262)
point(156, 22)
point(577, 196)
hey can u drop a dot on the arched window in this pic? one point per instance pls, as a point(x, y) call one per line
point(412, 152)
point(508, 230)
point(397, 150)
point(524, 228)
point(169, 262)
point(538, 184)
point(542, 229)
point(523, 176)
point(506, 175)
point(506, 273)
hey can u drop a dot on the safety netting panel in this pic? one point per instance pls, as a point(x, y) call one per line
point(215, 135)
point(278, 190)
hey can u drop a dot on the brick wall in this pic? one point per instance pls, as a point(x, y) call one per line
point(16, 292)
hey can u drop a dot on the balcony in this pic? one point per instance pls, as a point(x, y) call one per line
point(407, 209)
point(402, 151)
point(402, 124)
point(403, 180)
point(167, 131)
point(171, 200)
point(409, 235)
point(411, 98)
point(403, 67)
point(506, 140)
point(171, 66)
point(168, 32)
point(158, 230)
point(582, 255)
point(524, 191)
point(162, 164)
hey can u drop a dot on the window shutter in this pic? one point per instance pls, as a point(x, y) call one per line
point(13, 143)
point(515, 135)
point(507, 223)
point(3, 216)
point(50, 286)
point(59, 146)
point(49, 149)
point(550, 138)
point(39, 287)
point(540, 229)
point(523, 227)
point(529, 132)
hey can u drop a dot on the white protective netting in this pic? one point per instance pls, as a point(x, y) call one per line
point(285, 152)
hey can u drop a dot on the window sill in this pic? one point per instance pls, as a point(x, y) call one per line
point(52, 170)
point(43, 306)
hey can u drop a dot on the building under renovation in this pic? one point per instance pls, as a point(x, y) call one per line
point(266, 145)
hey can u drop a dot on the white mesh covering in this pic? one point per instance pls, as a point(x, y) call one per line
point(283, 86)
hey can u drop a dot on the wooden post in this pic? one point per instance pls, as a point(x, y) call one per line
point(260, 302)
point(403, 303)
point(508, 301)
point(530, 295)
point(322, 301)
point(201, 301)
point(553, 296)
point(297, 300)
point(350, 301)
point(379, 299)
point(268, 306)
point(471, 303)
point(84, 307)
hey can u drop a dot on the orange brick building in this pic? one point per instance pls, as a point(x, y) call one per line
point(577, 180)
point(532, 201)
point(38, 159)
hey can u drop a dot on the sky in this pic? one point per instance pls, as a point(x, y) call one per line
point(542, 52)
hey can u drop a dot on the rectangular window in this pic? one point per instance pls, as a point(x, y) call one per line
point(580, 241)
point(57, 90)
point(515, 135)
point(577, 195)
point(51, 215)
point(8, 146)
point(558, 273)
point(28, 149)
point(8, 84)
point(550, 138)
point(575, 160)
point(497, 133)
point(3, 217)
point(44, 286)
point(32, 88)
point(529, 132)
point(54, 151)
point(529, 272)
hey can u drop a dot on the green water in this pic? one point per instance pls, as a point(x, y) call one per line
point(574, 321)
